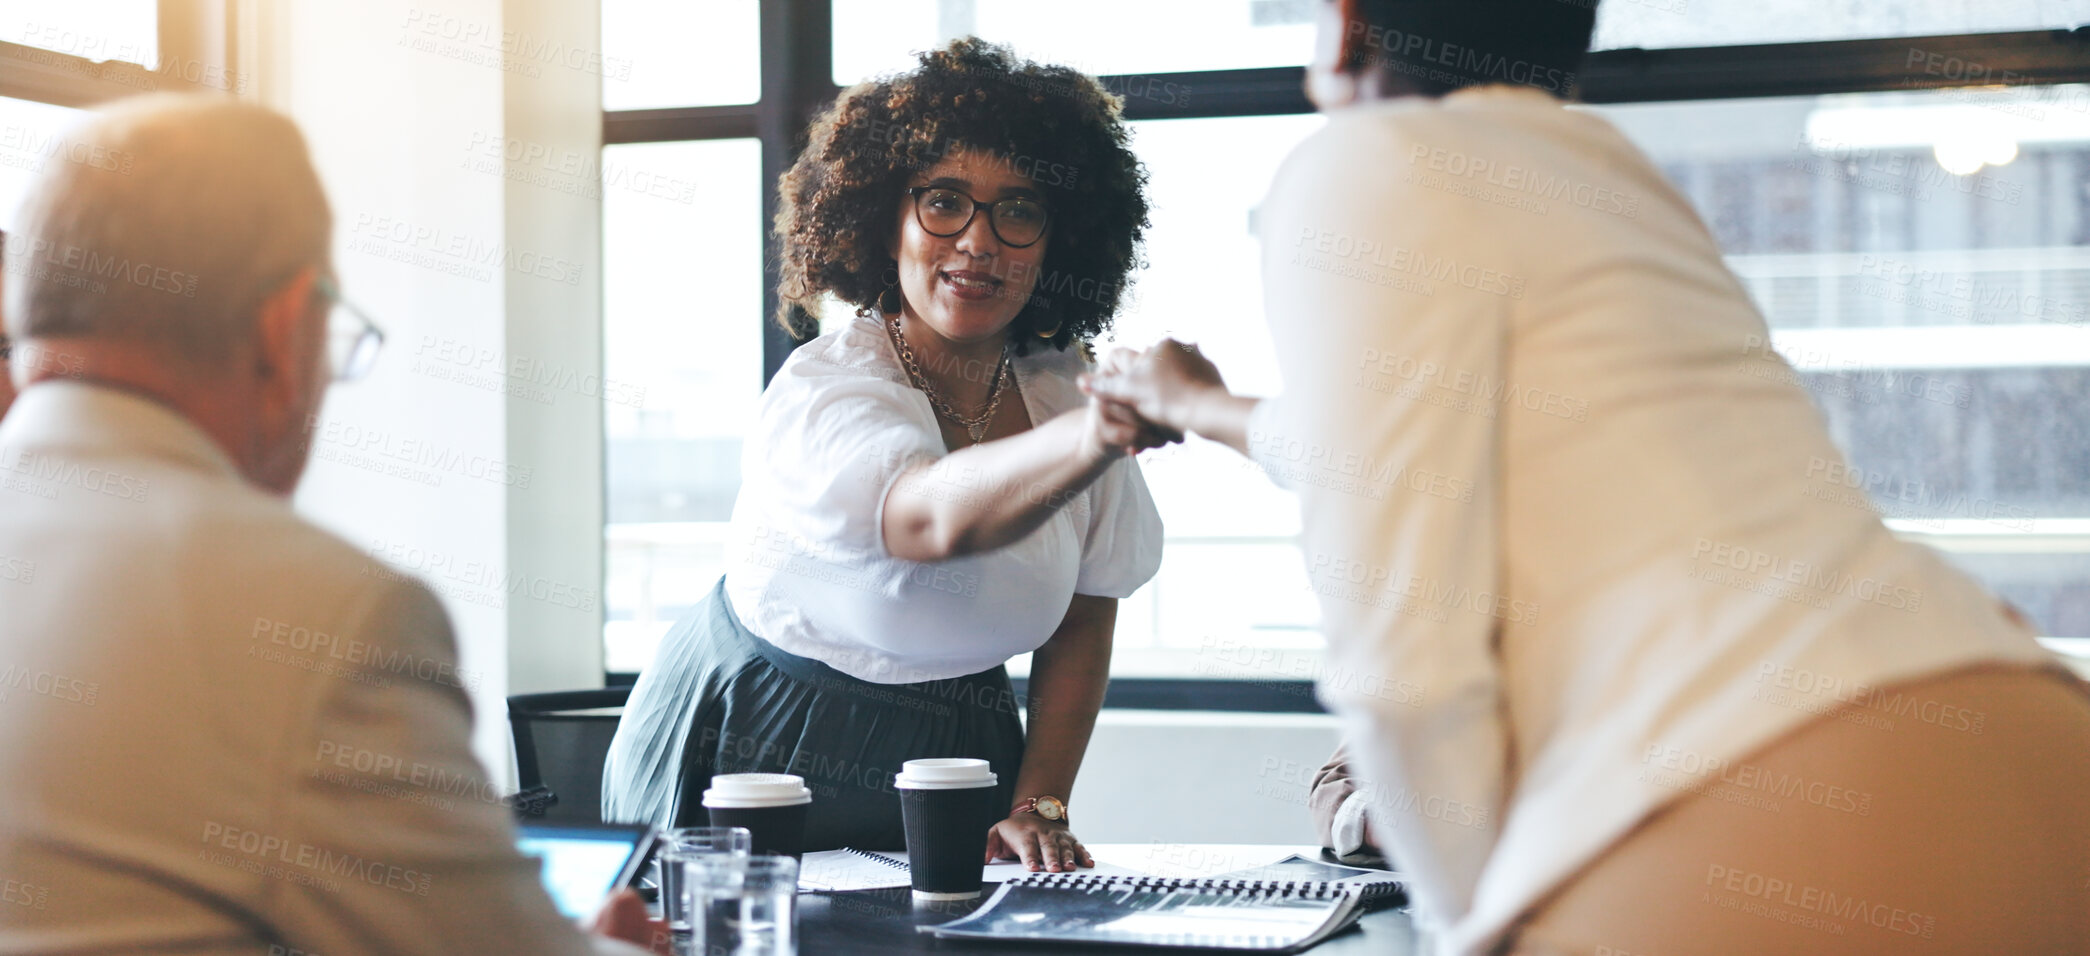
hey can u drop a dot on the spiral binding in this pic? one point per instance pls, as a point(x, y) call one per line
point(1278, 889)
point(880, 857)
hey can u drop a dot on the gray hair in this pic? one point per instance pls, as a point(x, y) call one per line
point(166, 221)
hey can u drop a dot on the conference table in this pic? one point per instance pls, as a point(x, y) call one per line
point(882, 921)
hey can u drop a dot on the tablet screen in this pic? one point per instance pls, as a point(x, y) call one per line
point(581, 865)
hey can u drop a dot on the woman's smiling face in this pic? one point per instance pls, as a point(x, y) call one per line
point(969, 286)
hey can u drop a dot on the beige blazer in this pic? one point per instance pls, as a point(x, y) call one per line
point(1564, 509)
point(225, 730)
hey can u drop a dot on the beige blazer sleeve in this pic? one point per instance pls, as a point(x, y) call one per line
point(403, 843)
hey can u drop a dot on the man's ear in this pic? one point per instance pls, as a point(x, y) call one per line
point(282, 338)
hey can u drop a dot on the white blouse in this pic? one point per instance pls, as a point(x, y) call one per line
point(807, 566)
point(1579, 537)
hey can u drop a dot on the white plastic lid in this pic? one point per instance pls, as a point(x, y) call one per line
point(742, 791)
point(944, 773)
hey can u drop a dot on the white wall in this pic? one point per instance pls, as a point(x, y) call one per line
point(463, 184)
point(1192, 777)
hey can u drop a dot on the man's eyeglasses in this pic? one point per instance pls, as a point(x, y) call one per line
point(353, 340)
point(946, 212)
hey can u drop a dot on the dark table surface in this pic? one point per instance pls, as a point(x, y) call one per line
point(885, 921)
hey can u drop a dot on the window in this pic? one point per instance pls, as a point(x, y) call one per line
point(1924, 262)
point(97, 30)
point(1096, 36)
point(679, 54)
point(1681, 23)
point(80, 53)
point(1230, 531)
point(681, 281)
point(1920, 256)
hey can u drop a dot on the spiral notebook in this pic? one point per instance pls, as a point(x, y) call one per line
point(849, 869)
point(1266, 914)
point(833, 871)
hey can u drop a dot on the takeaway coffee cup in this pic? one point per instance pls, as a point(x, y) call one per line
point(772, 806)
point(946, 806)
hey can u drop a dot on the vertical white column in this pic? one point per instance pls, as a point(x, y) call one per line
point(553, 229)
point(460, 144)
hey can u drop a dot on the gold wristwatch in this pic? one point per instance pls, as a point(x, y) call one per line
point(1051, 808)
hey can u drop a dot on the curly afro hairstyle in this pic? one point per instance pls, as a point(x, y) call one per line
point(1061, 127)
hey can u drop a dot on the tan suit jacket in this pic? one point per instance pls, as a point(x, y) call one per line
point(227, 731)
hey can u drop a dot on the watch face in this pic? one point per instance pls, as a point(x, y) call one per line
point(1051, 809)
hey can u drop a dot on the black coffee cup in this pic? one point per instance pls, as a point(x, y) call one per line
point(946, 806)
point(772, 806)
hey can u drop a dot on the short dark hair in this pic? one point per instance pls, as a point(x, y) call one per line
point(839, 200)
point(1439, 46)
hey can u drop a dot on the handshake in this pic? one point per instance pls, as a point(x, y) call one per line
point(1145, 399)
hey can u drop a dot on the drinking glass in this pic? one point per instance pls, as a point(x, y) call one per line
point(678, 849)
point(741, 906)
point(769, 907)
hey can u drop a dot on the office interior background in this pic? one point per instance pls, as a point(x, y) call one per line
point(557, 211)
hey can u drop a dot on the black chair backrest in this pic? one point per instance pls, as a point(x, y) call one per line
point(561, 740)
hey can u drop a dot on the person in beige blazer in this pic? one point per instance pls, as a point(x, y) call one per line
point(1553, 477)
point(225, 730)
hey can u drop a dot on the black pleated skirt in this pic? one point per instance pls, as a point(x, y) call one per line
point(718, 699)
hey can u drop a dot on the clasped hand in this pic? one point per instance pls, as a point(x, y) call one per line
point(1140, 396)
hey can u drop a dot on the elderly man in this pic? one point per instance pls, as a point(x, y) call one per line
point(224, 732)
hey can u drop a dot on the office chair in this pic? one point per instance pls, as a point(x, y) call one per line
point(561, 739)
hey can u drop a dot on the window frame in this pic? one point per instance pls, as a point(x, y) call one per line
point(190, 31)
point(797, 51)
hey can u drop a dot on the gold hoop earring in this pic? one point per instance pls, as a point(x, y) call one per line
point(1055, 330)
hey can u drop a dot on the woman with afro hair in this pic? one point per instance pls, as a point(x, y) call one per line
point(926, 492)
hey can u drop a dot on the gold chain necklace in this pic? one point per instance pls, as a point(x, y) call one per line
point(976, 427)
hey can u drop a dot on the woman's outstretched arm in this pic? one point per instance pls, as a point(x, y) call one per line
point(988, 496)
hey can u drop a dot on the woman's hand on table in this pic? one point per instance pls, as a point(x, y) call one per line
point(1040, 844)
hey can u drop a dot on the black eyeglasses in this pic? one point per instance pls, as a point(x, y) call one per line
point(353, 340)
point(946, 212)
